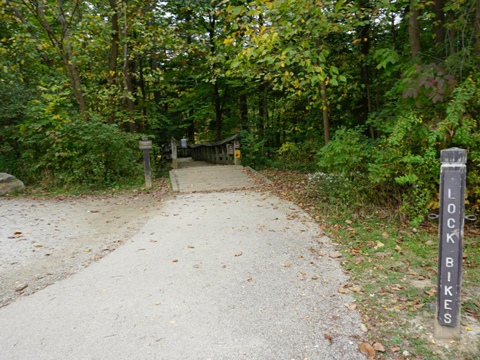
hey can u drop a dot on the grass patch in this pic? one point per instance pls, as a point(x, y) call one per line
point(395, 267)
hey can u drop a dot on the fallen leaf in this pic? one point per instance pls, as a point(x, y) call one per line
point(398, 248)
point(238, 254)
point(287, 265)
point(342, 290)
point(385, 235)
point(17, 233)
point(348, 222)
point(431, 292)
point(38, 245)
point(354, 288)
point(395, 349)
point(94, 211)
point(175, 260)
point(379, 347)
point(379, 245)
point(191, 247)
point(363, 328)
point(351, 307)
point(329, 338)
point(335, 255)
point(368, 350)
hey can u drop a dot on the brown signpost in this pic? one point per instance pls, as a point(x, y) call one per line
point(451, 225)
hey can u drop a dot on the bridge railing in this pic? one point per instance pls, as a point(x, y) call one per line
point(226, 152)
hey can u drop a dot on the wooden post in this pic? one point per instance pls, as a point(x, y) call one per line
point(174, 154)
point(451, 224)
point(146, 145)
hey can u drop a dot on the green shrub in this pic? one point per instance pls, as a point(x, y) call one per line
point(347, 153)
point(91, 154)
point(342, 178)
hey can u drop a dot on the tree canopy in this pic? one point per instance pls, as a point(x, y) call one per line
point(369, 89)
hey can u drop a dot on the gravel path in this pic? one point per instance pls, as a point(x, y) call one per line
point(231, 275)
point(45, 240)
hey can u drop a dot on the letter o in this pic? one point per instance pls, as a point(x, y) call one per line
point(451, 208)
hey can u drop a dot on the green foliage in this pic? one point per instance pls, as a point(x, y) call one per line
point(298, 156)
point(347, 153)
point(252, 150)
point(68, 153)
point(342, 179)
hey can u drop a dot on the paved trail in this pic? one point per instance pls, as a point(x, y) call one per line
point(232, 275)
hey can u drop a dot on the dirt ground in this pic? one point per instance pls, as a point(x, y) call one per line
point(44, 240)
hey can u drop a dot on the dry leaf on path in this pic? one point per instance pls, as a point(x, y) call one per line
point(351, 307)
point(335, 255)
point(329, 338)
point(342, 290)
point(368, 350)
point(379, 347)
point(238, 254)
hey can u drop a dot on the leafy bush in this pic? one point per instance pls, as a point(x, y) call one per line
point(342, 178)
point(347, 153)
point(297, 156)
point(85, 153)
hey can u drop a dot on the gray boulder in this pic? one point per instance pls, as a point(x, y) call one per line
point(9, 184)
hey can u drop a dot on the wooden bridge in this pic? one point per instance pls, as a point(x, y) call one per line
point(211, 167)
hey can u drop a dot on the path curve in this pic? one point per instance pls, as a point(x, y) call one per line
point(231, 275)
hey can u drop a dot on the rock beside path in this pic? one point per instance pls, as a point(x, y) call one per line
point(9, 184)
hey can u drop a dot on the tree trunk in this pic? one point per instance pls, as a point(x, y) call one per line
point(414, 29)
point(127, 80)
point(218, 111)
point(243, 110)
point(476, 31)
point(112, 64)
point(65, 48)
point(326, 120)
point(439, 29)
point(452, 34)
point(262, 111)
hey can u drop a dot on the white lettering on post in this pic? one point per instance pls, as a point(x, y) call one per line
point(451, 208)
point(449, 262)
point(451, 223)
point(446, 305)
point(447, 318)
point(450, 194)
point(448, 290)
point(450, 238)
point(449, 275)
